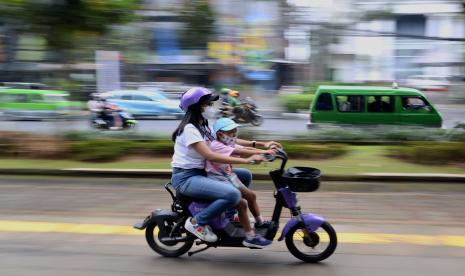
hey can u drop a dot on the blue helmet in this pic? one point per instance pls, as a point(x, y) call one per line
point(224, 124)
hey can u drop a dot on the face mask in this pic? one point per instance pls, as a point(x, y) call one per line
point(208, 113)
point(229, 140)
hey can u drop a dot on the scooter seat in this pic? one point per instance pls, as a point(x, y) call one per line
point(186, 200)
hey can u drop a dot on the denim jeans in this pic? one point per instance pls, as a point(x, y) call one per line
point(194, 183)
point(244, 175)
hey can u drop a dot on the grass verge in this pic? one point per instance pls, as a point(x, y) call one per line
point(359, 159)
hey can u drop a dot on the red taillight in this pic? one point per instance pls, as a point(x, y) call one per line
point(438, 89)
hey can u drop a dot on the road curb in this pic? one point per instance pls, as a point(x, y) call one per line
point(166, 174)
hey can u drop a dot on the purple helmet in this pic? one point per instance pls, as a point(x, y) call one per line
point(193, 95)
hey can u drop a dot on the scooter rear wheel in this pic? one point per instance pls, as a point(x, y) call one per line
point(312, 247)
point(153, 236)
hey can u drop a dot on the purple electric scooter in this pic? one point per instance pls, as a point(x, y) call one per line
point(308, 237)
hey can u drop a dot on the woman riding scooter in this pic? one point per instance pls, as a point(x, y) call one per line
point(190, 152)
point(102, 109)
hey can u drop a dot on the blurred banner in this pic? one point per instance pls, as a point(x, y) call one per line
point(108, 70)
point(168, 49)
point(223, 51)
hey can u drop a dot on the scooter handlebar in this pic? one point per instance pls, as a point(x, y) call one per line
point(268, 158)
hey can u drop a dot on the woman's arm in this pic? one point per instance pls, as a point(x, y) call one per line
point(207, 153)
point(267, 145)
point(247, 151)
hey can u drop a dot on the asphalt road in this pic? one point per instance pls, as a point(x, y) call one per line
point(451, 115)
point(162, 127)
point(143, 126)
point(82, 226)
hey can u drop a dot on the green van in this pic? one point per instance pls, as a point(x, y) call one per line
point(369, 105)
point(36, 104)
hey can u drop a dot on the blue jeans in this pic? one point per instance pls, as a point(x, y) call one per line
point(244, 175)
point(195, 183)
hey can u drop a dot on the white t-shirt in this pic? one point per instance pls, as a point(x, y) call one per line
point(185, 156)
point(95, 106)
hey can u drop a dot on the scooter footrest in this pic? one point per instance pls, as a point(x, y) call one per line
point(139, 226)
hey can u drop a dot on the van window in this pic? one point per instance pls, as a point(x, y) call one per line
point(54, 98)
point(6, 98)
point(126, 97)
point(324, 102)
point(350, 103)
point(380, 103)
point(414, 103)
point(13, 98)
point(35, 98)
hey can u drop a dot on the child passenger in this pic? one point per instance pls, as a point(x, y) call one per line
point(225, 143)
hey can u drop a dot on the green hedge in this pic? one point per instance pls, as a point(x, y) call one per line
point(428, 153)
point(295, 102)
point(314, 151)
point(159, 147)
point(81, 135)
point(112, 149)
point(7, 146)
point(98, 150)
point(380, 134)
point(322, 134)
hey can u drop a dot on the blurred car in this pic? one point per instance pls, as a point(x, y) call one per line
point(34, 104)
point(457, 88)
point(145, 103)
point(172, 90)
point(428, 83)
point(23, 85)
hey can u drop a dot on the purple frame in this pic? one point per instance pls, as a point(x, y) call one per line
point(289, 197)
point(312, 222)
point(216, 223)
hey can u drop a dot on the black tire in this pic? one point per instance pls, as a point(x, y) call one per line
point(175, 249)
point(257, 120)
point(313, 240)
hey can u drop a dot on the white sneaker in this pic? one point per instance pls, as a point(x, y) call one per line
point(203, 232)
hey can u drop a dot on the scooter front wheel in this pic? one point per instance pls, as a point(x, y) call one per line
point(314, 246)
point(154, 237)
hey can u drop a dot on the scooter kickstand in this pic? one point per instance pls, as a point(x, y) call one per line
point(198, 251)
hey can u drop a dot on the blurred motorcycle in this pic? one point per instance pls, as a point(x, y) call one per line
point(106, 119)
point(244, 114)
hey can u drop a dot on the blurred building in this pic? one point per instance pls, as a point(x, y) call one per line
point(244, 47)
point(251, 42)
point(392, 40)
point(263, 43)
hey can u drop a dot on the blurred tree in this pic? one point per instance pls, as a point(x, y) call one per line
point(199, 21)
point(63, 23)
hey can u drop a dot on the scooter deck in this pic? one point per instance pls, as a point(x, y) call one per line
point(234, 229)
point(233, 235)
